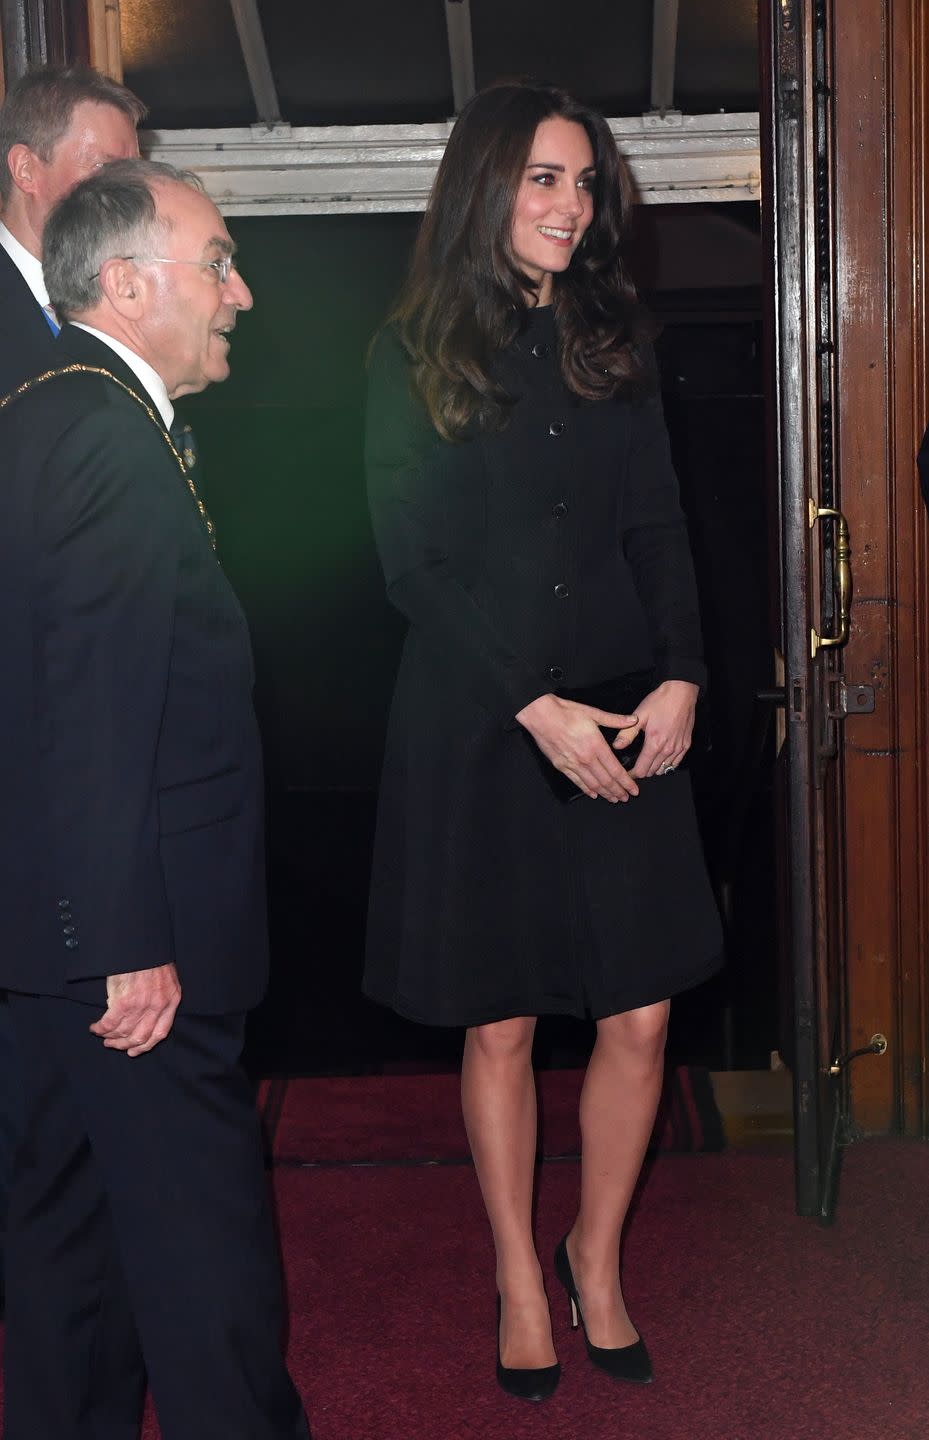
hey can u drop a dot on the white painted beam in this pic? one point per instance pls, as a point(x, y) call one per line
point(340, 169)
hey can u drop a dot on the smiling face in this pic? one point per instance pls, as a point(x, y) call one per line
point(554, 204)
point(189, 310)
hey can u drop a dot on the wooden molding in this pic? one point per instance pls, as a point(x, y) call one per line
point(106, 54)
point(880, 101)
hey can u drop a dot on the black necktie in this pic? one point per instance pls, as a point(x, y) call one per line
point(182, 438)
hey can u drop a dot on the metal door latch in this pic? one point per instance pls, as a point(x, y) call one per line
point(848, 700)
point(878, 1046)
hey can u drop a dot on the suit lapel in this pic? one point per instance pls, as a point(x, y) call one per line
point(20, 308)
point(27, 346)
point(76, 346)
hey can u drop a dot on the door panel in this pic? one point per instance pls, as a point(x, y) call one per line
point(812, 612)
point(846, 200)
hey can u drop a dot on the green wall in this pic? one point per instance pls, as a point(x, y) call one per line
point(281, 444)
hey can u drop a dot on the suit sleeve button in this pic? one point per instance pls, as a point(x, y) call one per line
point(72, 943)
point(555, 672)
point(63, 904)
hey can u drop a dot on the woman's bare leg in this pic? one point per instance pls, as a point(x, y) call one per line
point(618, 1103)
point(498, 1100)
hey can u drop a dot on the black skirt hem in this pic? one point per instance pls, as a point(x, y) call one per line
point(616, 1005)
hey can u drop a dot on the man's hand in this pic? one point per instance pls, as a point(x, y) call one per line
point(568, 735)
point(140, 1009)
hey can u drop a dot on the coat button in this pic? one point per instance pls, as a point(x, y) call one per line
point(539, 350)
point(560, 510)
point(63, 904)
point(69, 929)
point(556, 427)
point(71, 943)
point(64, 915)
point(562, 592)
point(555, 672)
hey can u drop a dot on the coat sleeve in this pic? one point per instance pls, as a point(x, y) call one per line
point(657, 549)
point(408, 493)
point(108, 593)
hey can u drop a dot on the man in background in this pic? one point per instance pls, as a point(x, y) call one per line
point(57, 125)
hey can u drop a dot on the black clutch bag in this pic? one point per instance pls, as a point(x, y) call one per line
point(621, 696)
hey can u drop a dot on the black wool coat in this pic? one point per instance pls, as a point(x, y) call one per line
point(551, 555)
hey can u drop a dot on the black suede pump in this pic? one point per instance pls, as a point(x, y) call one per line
point(539, 1384)
point(628, 1362)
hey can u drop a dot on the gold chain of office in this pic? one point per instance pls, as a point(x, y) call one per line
point(76, 369)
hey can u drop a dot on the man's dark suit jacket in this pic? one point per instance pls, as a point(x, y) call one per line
point(130, 768)
point(27, 345)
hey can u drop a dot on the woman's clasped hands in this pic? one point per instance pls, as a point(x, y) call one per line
point(569, 736)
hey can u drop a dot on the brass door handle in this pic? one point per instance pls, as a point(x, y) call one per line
point(843, 581)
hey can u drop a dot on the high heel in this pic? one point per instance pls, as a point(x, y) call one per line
point(539, 1384)
point(627, 1362)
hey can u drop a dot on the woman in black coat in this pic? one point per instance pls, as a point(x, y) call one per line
point(528, 523)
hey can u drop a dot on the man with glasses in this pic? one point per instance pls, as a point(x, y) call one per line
point(56, 125)
point(132, 907)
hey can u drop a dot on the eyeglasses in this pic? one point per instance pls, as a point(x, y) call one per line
point(222, 267)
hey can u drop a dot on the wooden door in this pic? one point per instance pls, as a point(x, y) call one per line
point(847, 204)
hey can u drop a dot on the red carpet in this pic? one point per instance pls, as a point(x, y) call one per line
point(418, 1117)
point(761, 1326)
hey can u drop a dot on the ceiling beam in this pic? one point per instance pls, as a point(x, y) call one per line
point(365, 169)
point(255, 52)
point(664, 54)
point(460, 51)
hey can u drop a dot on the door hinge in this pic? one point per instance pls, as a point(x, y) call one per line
point(845, 700)
point(878, 1046)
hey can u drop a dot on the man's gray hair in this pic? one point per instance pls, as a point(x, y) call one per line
point(111, 213)
point(39, 108)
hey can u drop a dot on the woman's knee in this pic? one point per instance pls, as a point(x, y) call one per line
point(641, 1032)
point(503, 1039)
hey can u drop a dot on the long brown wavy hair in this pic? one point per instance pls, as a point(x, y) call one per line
point(466, 299)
